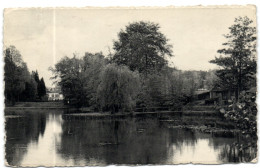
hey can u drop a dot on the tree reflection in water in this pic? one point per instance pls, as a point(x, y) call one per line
point(139, 141)
point(243, 150)
point(20, 131)
point(78, 142)
point(120, 141)
point(113, 141)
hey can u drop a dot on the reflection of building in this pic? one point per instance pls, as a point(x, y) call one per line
point(54, 94)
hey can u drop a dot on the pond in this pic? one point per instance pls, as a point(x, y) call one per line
point(40, 138)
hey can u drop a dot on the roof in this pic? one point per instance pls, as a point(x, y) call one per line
point(197, 92)
point(220, 89)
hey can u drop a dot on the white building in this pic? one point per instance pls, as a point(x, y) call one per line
point(54, 94)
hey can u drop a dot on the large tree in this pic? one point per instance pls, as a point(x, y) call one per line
point(141, 46)
point(79, 78)
point(16, 74)
point(20, 85)
point(68, 72)
point(238, 57)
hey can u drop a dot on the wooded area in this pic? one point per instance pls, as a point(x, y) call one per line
point(134, 76)
point(137, 73)
point(20, 84)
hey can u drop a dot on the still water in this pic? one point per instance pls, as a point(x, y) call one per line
point(45, 138)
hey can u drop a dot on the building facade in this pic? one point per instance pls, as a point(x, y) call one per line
point(54, 94)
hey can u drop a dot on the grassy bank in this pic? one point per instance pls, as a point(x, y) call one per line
point(36, 106)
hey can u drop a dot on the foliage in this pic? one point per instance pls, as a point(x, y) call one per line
point(78, 78)
point(238, 57)
point(95, 65)
point(174, 95)
point(68, 71)
point(163, 90)
point(41, 88)
point(137, 74)
point(210, 79)
point(36, 76)
point(30, 92)
point(151, 94)
point(14, 68)
point(19, 83)
point(243, 112)
point(141, 46)
point(118, 88)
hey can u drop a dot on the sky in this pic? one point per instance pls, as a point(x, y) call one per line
point(45, 35)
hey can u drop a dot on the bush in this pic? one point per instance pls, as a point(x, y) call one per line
point(243, 112)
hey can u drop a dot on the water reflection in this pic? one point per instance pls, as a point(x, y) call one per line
point(45, 138)
point(20, 132)
point(115, 142)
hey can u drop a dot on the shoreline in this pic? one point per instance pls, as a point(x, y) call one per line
point(85, 112)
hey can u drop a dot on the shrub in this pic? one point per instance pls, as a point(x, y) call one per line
point(243, 112)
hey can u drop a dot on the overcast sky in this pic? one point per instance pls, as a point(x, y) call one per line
point(44, 36)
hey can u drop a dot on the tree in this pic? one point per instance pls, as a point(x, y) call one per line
point(30, 92)
point(210, 79)
point(153, 91)
point(94, 65)
point(15, 75)
point(20, 85)
point(118, 88)
point(36, 76)
point(37, 80)
point(68, 75)
point(141, 46)
point(42, 88)
point(238, 57)
point(79, 78)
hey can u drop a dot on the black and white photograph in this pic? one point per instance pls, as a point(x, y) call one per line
point(100, 86)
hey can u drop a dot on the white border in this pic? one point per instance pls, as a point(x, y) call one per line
point(111, 3)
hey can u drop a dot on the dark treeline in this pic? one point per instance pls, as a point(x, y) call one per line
point(20, 84)
point(135, 75)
